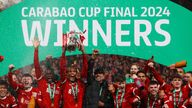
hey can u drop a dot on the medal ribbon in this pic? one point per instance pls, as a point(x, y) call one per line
point(174, 98)
point(121, 100)
point(148, 102)
point(75, 91)
point(100, 92)
point(51, 92)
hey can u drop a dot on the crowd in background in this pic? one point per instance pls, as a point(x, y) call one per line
point(95, 81)
point(111, 64)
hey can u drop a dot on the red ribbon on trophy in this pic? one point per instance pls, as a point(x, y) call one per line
point(82, 38)
point(73, 39)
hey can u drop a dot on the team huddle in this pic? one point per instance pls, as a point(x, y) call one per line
point(90, 87)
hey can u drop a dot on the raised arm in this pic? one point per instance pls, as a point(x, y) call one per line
point(10, 79)
point(91, 63)
point(156, 74)
point(146, 67)
point(85, 63)
point(63, 67)
point(166, 87)
point(38, 71)
point(132, 94)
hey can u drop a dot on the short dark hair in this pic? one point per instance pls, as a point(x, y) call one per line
point(141, 72)
point(99, 71)
point(4, 83)
point(119, 78)
point(176, 76)
point(27, 75)
point(190, 72)
point(153, 83)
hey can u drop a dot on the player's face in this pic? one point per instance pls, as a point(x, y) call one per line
point(99, 77)
point(187, 77)
point(72, 72)
point(153, 89)
point(49, 75)
point(142, 77)
point(15, 79)
point(121, 85)
point(180, 71)
point(161, 94)
point(78, 75)
point(177, 82)
point(134, 69)
point(3, 91)
point(26, 81)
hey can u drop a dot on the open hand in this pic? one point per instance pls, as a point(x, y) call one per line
point(151, 64)
point(36, 42)
point(11, 67)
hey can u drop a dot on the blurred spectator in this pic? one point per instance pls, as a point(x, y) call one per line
point(7, 3)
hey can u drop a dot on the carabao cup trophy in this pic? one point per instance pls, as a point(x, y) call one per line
point(73, 40)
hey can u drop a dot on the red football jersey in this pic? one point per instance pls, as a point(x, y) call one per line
point(45, 87)
point(178, 98)
point(26, 96)
point(125, 99)
point(73, 94)
point(8, 102)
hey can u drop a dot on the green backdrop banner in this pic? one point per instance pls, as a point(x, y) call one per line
point(124, 27)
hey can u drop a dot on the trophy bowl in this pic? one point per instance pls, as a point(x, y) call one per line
point(72, 42)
